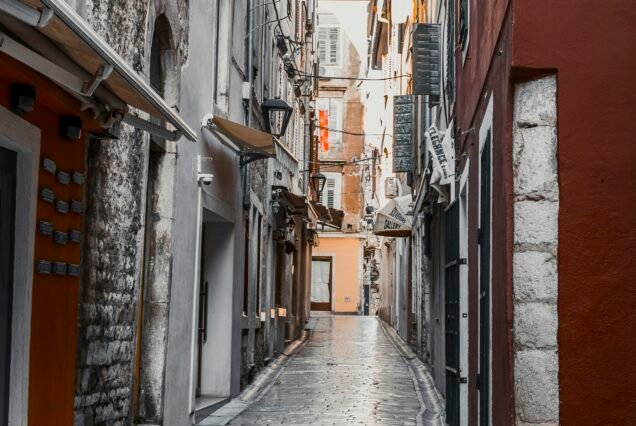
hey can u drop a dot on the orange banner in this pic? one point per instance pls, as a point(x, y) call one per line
point(323, 124)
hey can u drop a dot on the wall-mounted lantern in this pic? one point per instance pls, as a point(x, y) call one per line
point(277, 114)
point(318, 181)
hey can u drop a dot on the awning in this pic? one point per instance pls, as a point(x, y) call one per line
point(323, 212)
point(297, 204)
point(337, 217)
point(392, 220)
point(240, 138)
point(59, 23)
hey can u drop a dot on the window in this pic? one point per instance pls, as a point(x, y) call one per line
point(329, 46)
point(464, 25)
point(450, 49)
point(333, 106)
point(332, 194)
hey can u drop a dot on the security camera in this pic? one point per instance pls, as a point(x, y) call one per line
point(205, 178)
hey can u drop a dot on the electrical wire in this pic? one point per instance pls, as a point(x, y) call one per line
point(343, 164)
point(346, 132)
point(354, 78)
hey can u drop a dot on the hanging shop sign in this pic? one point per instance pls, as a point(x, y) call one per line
point(403, 133)
point(442, 151)
point(393, 219)
point(426, 59)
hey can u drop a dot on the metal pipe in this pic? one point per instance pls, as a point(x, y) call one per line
point(250, 71)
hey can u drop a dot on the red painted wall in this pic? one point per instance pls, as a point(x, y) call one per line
point(592, 47)
point(53, 347)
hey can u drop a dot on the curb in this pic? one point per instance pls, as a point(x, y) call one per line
point(258, 388)
point(432, 413)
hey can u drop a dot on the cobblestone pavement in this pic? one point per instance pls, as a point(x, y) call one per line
point(349, 372)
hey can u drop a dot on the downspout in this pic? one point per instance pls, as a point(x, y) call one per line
point(308, 71)
point(250, 77)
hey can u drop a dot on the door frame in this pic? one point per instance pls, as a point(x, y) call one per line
point(22, 137)
point(485, 133)
point(327, 306)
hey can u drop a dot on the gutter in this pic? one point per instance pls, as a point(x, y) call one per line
point(112, 62)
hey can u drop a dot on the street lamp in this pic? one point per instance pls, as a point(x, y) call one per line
point(318, 181)
point(277, 114)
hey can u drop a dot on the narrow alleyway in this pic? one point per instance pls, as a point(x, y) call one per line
point(349, 372)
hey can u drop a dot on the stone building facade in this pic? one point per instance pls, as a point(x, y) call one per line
point(181, 272)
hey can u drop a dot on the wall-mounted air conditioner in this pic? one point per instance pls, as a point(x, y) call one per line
point(391, 187)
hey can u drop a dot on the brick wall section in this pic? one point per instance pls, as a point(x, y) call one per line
point(535, 274)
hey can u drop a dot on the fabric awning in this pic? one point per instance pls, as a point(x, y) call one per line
point(392, 220)
point(241, 138)
point(58, 22)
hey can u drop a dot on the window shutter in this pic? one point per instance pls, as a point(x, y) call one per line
point(322, 45)
point(334, 45)
point(331, 192)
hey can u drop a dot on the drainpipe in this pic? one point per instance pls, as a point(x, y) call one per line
point(250, 78)
point(250, 72)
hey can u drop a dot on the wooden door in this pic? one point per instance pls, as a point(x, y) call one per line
point(8, 160)
point(321, 283)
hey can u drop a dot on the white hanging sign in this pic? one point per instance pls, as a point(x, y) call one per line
point(440, 147)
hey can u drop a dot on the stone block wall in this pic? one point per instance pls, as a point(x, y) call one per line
point(115, 218)
point(535, 272)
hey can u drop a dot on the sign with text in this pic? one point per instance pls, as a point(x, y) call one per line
point(402, 133)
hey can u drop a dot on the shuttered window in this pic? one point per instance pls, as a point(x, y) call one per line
point(333, 106)
point(329, 46)
point(332, 194)
point(464, 23)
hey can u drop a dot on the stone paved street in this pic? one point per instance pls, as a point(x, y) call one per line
point(349, 372)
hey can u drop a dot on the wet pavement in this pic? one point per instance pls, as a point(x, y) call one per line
point(349, 372)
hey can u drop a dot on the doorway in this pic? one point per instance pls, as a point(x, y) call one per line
point(216, 295)
point(321, 283)
point(8, 165)
point(483, 378)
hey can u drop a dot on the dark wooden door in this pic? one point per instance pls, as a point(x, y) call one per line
point(8, 161)
point(451, 313)
point(321, 283)
point(483, 380)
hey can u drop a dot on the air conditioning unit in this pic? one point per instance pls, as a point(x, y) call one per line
point(391, 187)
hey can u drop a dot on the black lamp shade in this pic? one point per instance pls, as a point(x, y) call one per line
point(318, 181)
point(277, 114)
